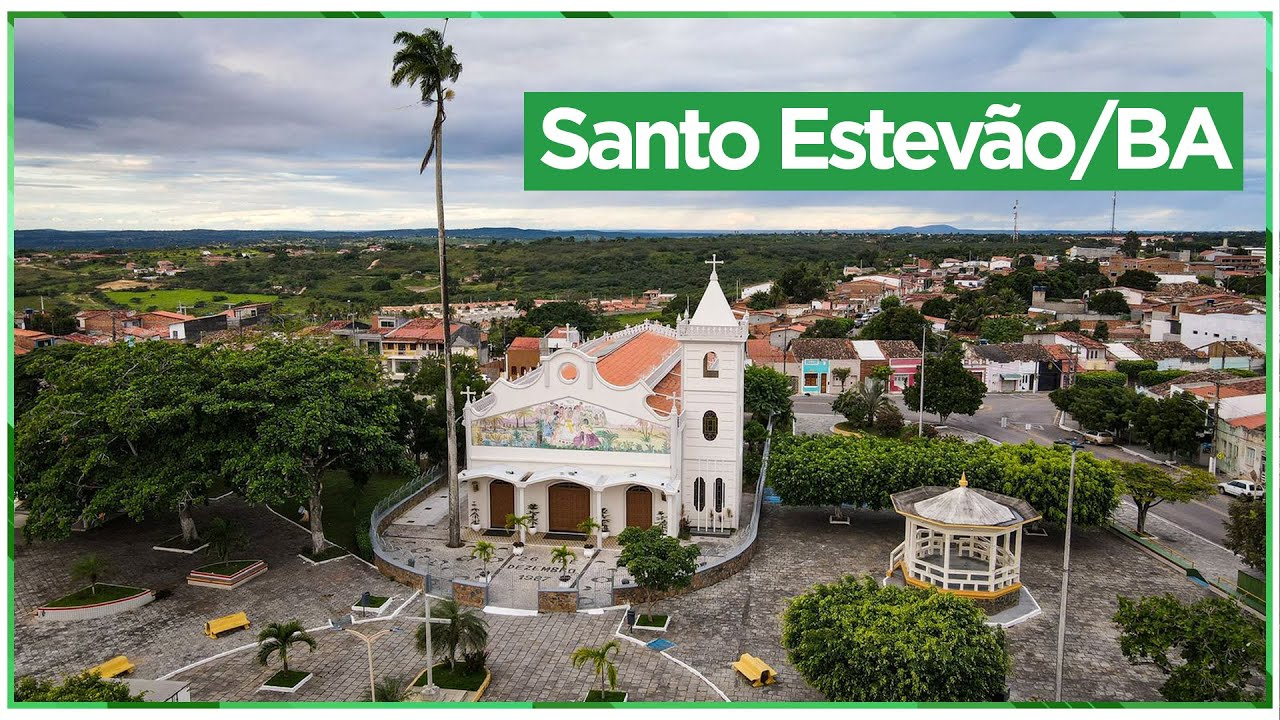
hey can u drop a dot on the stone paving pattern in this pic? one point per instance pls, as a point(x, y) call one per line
point(799, 548)
point(530, 654)
point(169, 633)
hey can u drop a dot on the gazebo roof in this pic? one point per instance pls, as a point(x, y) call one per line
point(963, 505)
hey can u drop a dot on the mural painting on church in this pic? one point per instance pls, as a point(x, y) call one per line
point(571, 424)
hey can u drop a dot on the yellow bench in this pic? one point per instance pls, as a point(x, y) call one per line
point(755, 670)
point(118, 665)
point(228, 622)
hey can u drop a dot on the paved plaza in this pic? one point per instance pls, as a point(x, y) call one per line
point(529, 654)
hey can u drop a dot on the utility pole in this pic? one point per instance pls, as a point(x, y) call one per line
point(1113, 214)
point(1015, 220)
point(923, 329)
point(1066, 573)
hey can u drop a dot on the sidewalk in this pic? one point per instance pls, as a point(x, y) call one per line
point(1214, 562)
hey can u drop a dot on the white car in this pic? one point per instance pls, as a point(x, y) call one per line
point(1241, 488)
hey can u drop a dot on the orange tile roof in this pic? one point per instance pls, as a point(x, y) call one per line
point(171, 315)
point(636, 358)
point(33, 334)
point(1209, 392)
point(667, 392)
point(525, 343)
point(1249, 422)
point(760, 350)
point(415, 329)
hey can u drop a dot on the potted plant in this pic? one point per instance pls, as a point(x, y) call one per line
point(588, 526)
point(522, 523)
point(532, 511)
point(562, 556)
point(662, 520)
point(475, 516)
point(604, 524)
point(484, 550)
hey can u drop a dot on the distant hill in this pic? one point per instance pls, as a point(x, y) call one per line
point(143, 239)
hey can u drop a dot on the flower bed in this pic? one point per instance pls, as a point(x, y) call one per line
point(226, 575)
point(376, 605)
point(455, 679)
point(655, 623)
point(286, 681)
point(96, 601)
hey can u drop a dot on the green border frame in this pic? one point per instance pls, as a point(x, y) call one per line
point(1267, 16)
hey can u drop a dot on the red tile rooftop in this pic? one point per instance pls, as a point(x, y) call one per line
point(526, 343)
point(1249, 422)
point(636, 358)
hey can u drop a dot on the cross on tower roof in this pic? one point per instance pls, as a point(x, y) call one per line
point(713, 262)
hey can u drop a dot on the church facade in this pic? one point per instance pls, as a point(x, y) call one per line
point(636, 428)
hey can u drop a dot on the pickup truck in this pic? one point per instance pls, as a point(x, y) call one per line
point(1241, 488)
point(1099, 438)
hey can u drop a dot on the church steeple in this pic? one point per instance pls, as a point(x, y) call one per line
point(714, 308)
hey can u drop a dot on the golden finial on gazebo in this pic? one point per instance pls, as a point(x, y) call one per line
point(964, 482)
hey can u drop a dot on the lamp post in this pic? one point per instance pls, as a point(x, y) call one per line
point(344, 625)
point(1066, 572)
point(427, 621)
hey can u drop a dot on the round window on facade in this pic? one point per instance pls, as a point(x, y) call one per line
point(568, 372)
point(710, 425)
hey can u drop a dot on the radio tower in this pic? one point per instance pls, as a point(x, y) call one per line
point(1113, 214)
point(1015, 220)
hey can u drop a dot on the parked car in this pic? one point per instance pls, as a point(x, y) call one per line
point(1099, 438)
point(1241, 488)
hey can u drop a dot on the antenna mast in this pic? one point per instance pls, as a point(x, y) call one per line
point(1113, 214)
point(1015, 220)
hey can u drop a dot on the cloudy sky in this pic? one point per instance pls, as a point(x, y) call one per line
point(275, 124)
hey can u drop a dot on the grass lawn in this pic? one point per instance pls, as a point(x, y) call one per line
point(94, 594)
point(651, 620)
point(188, 297)
point(606, 696)
point(375, 601)
point(456, 679)
point(286, 678)
point(345, 509)
point(230, 567)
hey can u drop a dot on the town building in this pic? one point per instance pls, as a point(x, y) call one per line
point(635, 428)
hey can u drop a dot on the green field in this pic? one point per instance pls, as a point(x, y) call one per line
point(196, 302)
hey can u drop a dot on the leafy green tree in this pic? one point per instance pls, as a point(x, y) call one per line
point(855, 641)
point(1097, 407)
point(948, 387)
point(938, 307)
point(1131, 368)
point(602, 662)
point(896, 323)
point(888, 422)
point(1149, 486)
point(1210, 650)
point(1101, 332)
point(1138, 280)
point(1255, 285)
point(802, 282)
point(85, 687)
point(760, 301)
point(429, 63)
point(308, 407)
point(658, 563)
point(1002, 329)
point(549, 316)
point(423, 403)
point(1100, 378)
point(120, 428)
point(852, 404)
point(841, 375)
point(1148, 378)
point(1208, 280)
point(828, 328)
point(767, 392)
point(889, 302)
point(465, 630)
point(1131, 245)
point(817, 470)
point(277, 638)
point(1174, 425)
point(1246, 527)
point(1109, 302)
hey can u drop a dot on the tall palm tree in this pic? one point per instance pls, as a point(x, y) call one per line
point(601, 662)
point(276, 638)
point(427, 62)
point(465, 630)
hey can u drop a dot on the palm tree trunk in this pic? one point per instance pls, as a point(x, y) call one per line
point(451, 431)
point(313, 520)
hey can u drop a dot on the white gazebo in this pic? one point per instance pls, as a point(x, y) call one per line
point(962, 540)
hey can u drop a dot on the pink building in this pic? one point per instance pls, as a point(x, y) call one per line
point(904, 360)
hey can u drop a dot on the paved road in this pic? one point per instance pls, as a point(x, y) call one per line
point(1031, 417)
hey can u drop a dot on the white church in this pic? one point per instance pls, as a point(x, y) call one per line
point(636, 428)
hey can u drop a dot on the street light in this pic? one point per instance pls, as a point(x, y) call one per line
point(343, 624)
point(1066, 571)
point(427, 621)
